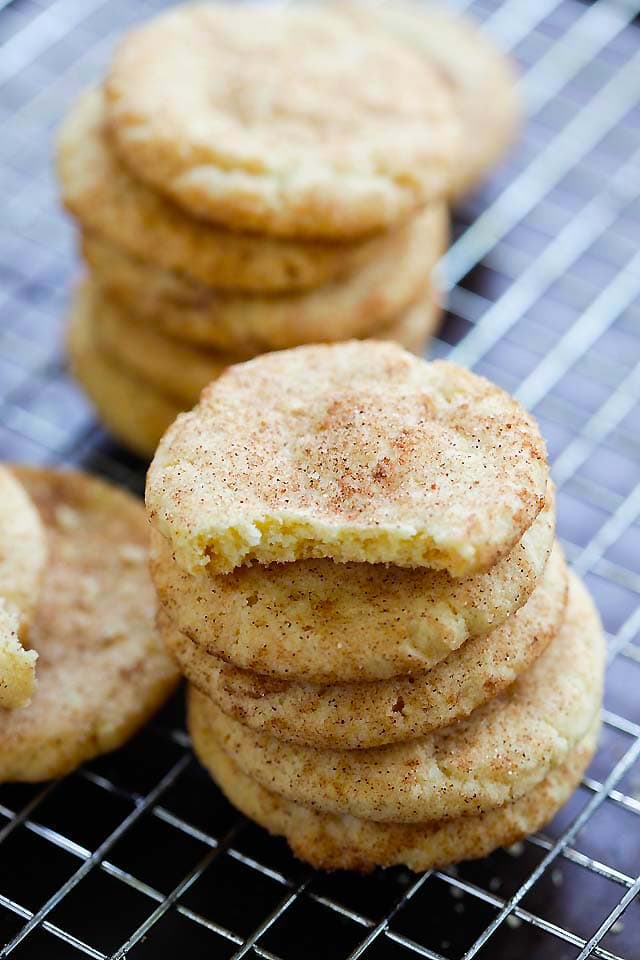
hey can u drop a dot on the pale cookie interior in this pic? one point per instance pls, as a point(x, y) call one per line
point(17, 665)
point(23, 554)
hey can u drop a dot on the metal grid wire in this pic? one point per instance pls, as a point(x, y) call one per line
point(137, 855)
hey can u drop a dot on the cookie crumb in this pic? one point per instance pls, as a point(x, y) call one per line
point(516, 849)
point(513, 921)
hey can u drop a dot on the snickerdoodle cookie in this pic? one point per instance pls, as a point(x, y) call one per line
point(356, 451)
point(200, 104)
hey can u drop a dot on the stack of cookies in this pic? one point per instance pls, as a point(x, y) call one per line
point(82, 665)
point(237, 196)
point(354, 552)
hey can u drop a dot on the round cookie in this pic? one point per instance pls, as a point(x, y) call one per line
point(182, 370)
point(200, 104)
point(108, 201)
point(360, 715)
point(354, 306)
point(481, 79)
point(133, 411)
point(498, 754)
point(23, 554)
point(102, 667)
point(333, 842)
point(357, 451)
point(329, 623)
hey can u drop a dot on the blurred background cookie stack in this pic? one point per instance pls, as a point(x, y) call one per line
point(354, 553)
point(236, 197)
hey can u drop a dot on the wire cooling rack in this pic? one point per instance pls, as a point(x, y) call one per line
point(137, 855)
